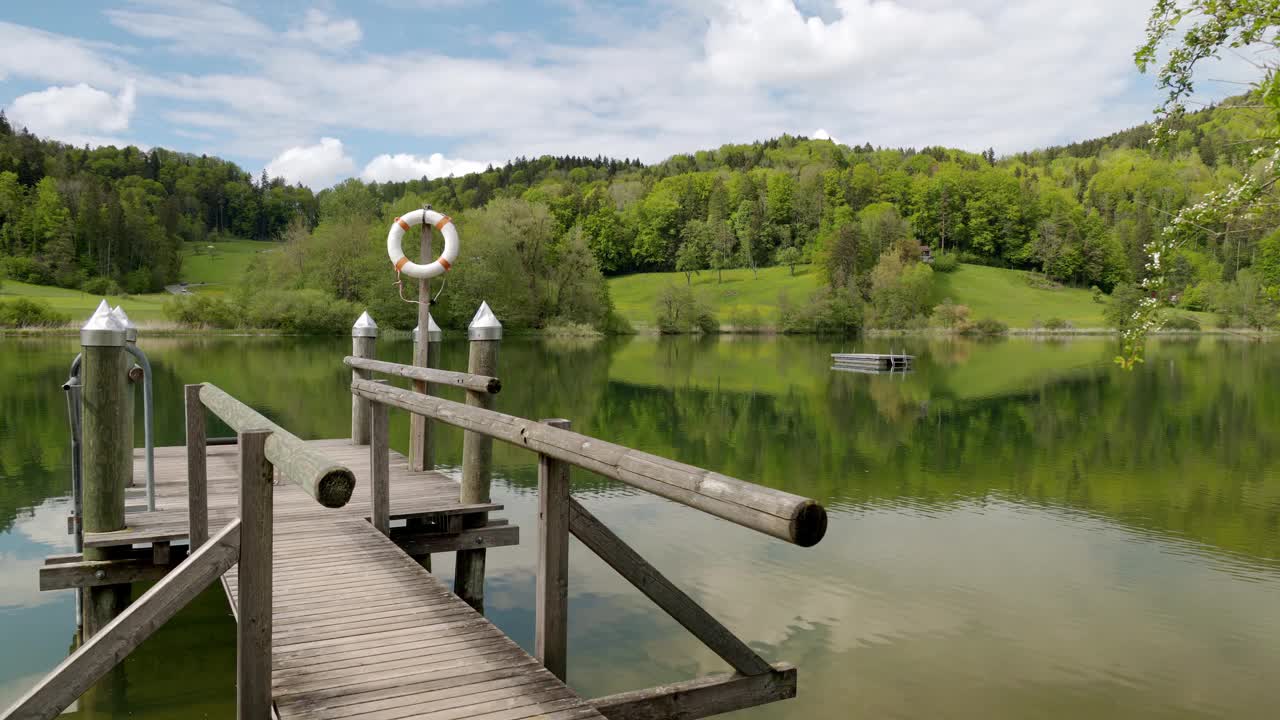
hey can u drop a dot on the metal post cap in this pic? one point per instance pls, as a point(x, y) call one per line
point(130, 330)
point(103, 329)
point(364, 327)
point(485, 325)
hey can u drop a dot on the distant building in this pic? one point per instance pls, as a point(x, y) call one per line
point(926, 254)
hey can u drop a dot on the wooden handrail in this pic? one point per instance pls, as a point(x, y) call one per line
point(328, 482)
point(467, 381)
point(789, 517)
point(121, 636)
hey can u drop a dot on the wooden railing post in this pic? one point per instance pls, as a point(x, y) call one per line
point(485, 334)
point(253, 639)
point(551, 642)
point(379, 468)
point(197, 469)
point(364, 338)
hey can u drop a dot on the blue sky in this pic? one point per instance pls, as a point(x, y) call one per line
point(392, 89)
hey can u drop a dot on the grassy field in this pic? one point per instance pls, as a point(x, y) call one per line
point(637, 295)
point(141, 308)
point(225, 264)
point(222, 267)
point(1005, 295)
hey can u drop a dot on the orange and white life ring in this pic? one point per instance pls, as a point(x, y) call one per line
point(441, 264)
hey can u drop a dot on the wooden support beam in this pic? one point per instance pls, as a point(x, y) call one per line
point(789, 517)
point(464, 380)
point(121, 636)
point(197, 468)
point(328, 482)
point(702, 697)
point(551, 623)
point(477, 465)
point(662, 592)
point(379, 468)
point(421, 448)
point(253, 631)
point(490, 536)
point(107, 459)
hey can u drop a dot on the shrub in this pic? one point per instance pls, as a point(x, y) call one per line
point(562, 327)
point(24, 313)
point(307, 312)
point(1179, 321)
point(987, 326)
point(829, 311)
point(1098, 296)
point(951, 316)
point(138, 281)
point(745, 319)
point(202, 311)
point(102, 286)
point(1125, 300)
point(899, 291)
point(1056, 323)
point(679, 311)
point(614, 323)
point(946, 262)
point(1040, 282)
point(28, 270)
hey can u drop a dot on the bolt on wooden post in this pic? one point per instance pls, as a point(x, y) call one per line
point(104, 376)
point(485, 335)
point(364, 338)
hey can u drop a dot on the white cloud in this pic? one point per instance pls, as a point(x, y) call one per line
point(316, 166)
point(674, 76)
point(822, 134)
point(72, 113)
point(403, 166)
point(320, 29)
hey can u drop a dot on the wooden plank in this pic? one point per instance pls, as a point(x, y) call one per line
point(121, 636)
point(253, 575)
point(197, 468)
point(603, 542)
point(468, 539)
point(789, 517)
point(379, 469)
point(95, 573)
point(466, 380)
point(551, 623)
point(321, 478)
point(108, 468)
point(702, 697)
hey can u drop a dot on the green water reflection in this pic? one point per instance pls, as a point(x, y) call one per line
point(1018, 529)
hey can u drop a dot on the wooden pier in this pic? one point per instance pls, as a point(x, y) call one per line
point(323, 549)
point(872, 363)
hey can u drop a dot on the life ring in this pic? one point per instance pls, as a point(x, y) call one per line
point(395, 236)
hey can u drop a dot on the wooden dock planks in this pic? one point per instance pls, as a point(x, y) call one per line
point(359, 629)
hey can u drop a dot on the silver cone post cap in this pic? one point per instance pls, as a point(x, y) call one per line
point(130, 330)
point(364, 327)
point(434, 333)
point(103, 329)
point(485, 325)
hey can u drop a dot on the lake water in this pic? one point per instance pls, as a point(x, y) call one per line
point(1018, 529)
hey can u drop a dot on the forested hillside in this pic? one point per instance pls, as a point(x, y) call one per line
point(539, 235)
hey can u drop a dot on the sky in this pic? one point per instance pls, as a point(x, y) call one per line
point(320, 91)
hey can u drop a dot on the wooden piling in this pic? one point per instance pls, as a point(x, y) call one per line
point(104, 376)
point(253, 638)
point(364, 339)
point(197, 469)
point(551, 641)
point(485, 334)
point(420, 449)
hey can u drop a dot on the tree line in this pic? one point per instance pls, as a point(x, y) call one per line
point(1081, 213)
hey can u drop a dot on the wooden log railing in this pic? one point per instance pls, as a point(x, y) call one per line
point(789, 517)
point(245, 542)
point(466, 381)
